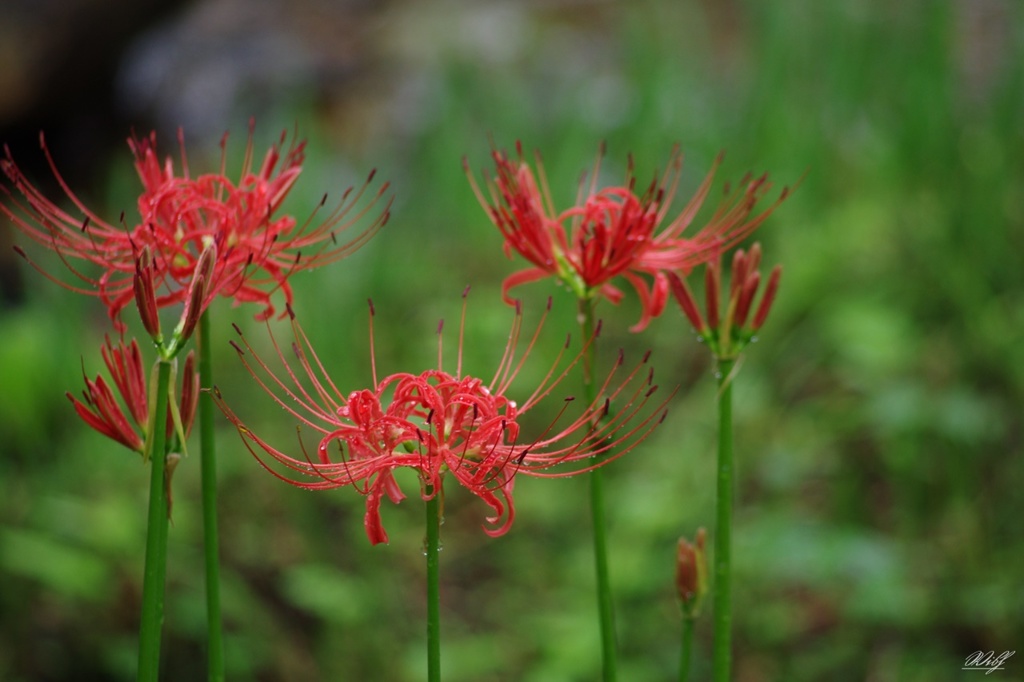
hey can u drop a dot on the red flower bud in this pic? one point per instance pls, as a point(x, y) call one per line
point(691, 572)
point(711, 284)
point(746, 296)
point(739, 273)
point(145, 294)
point(684, 297)
point(754, 257)
point(189, 393)
point(769, 297)
point(199, 290)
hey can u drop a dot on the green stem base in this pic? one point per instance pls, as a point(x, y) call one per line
point(606, 612)
point(722, 652)
point(155, 571)
point(686, 649)
point(433, 548)
point(208, 474)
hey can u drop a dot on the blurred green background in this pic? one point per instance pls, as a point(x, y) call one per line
point(879, 429)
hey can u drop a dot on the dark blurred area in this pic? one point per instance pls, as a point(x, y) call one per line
point(58, 67)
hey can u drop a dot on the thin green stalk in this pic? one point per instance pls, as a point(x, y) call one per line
point(155, 572)
point(208, 475)
point(433, 547)
point(606, 613)
point(722, 653)
point(686, 648)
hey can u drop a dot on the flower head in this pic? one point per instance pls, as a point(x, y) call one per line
point(728, 333)
point(440, 424)
point(255, 247)
point(614, 231)
point(101, 410)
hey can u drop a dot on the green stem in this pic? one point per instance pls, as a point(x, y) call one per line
point(433, 547)
point(208, 475)
point(606, 613)
point(155, 572)
point(686, 648)
point(722, 654)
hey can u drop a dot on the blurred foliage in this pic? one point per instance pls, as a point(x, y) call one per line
point(879, 416)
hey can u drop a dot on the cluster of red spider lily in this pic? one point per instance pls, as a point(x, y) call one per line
point(614, 231)
point(441, 423)
point(197, 238)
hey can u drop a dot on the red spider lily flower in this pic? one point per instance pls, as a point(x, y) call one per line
point(614, 231)
point(727, 334)
point(440, 423)
point(101, 410)
point(255, 248)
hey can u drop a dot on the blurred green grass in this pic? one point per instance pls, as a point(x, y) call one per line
point(879, 416)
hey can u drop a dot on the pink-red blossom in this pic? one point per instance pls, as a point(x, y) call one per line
point(256, 247)
point(442, 424)
point(614, 231)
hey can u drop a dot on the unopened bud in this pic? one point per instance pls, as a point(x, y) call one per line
point(711, 285)
point(207, 262)
point(691, 573)
point(770, 290)
point(195, 304)
point(145, 294)
point(193, 308)
point(684, 297)
point(754, 257)
point(738, 277)
point(189, 393)
point(746, 296)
